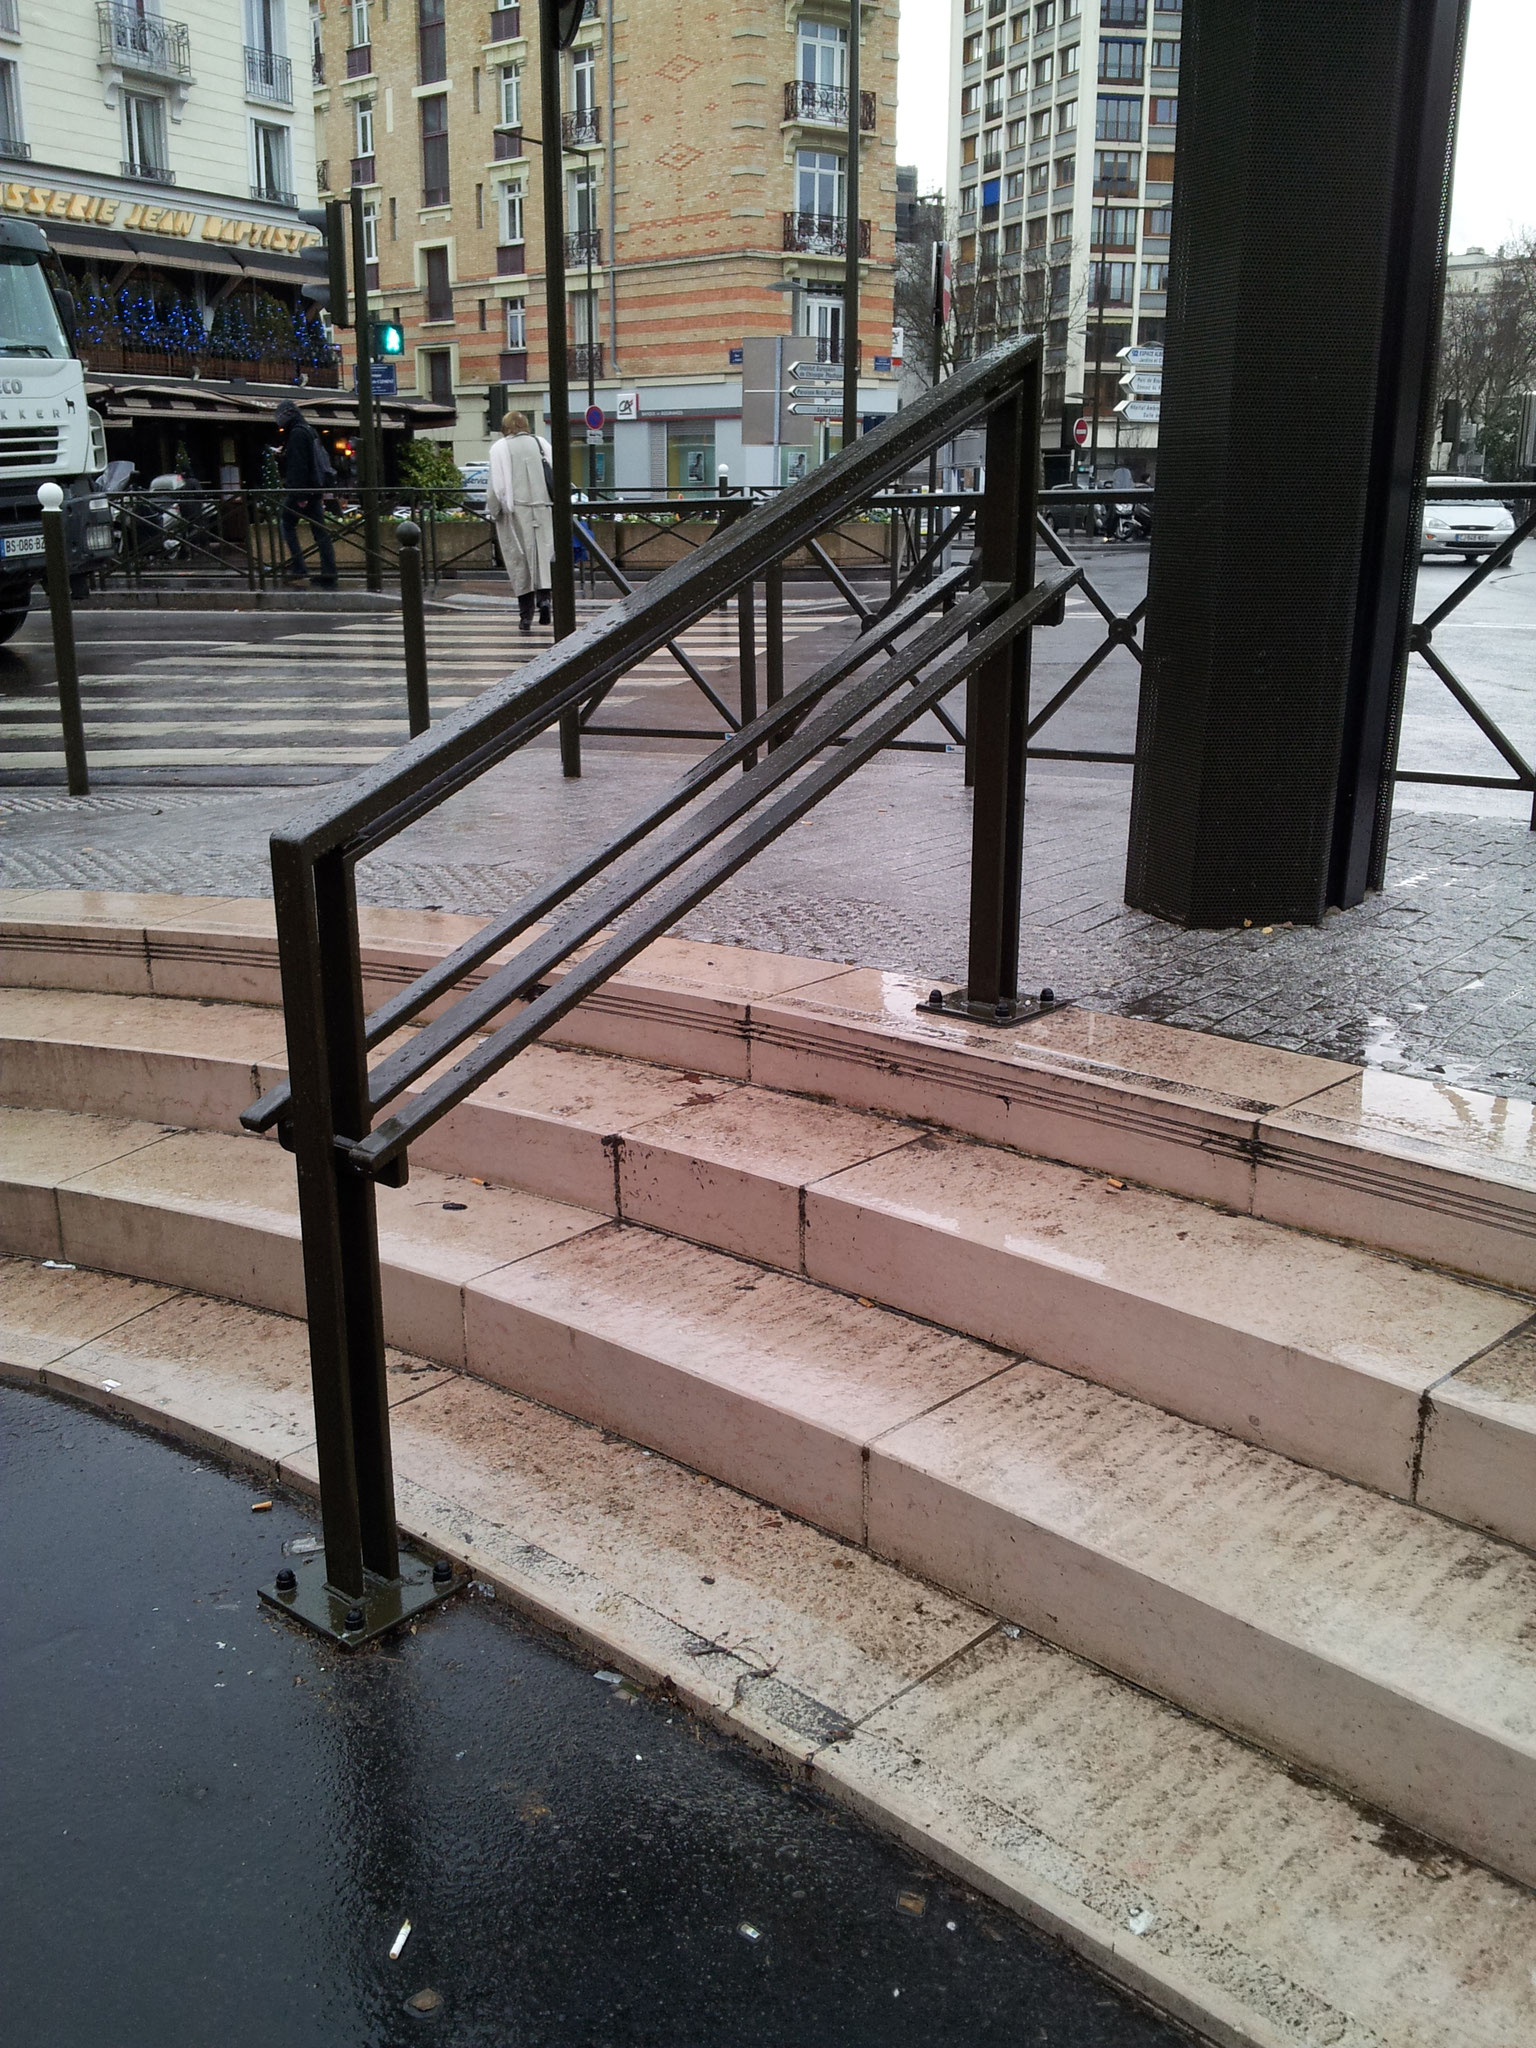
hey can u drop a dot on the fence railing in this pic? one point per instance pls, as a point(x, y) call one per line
point(351, 1128)
point(145, 42)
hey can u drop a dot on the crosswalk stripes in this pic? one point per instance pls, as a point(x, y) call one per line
point(317, 699)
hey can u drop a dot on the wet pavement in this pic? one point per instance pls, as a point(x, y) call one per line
point(215, 1826)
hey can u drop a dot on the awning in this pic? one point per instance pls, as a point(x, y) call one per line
point(107, 246)
point(123, 398)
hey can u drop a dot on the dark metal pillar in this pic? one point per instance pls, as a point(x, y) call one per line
point(851, 237)
point(369, 477)
point(1302, 328)
point(552, 20)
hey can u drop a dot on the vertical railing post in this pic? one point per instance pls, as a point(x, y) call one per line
point(998, 712)
point(773, 636)
point(413, 625)
point(323, 1006)
point(746, 653)
point(66, 666)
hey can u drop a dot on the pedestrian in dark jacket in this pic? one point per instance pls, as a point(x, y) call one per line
point(306, 470)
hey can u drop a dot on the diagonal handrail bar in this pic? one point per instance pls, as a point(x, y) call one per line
point(534, 962)
point(394, 1136)
point(382, 800)
point(408, 1003)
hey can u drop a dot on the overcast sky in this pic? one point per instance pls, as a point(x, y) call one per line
point(1495, 159)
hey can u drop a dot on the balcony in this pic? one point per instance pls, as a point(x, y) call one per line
point(581, 130)
point(826, 106)
point(512, 367)
point(511, 259)
point(363, 171)
point(506, 143)
point(821, 234)
point(274, 194)
point(506, 27)
point(149, 174)
point(584, 358)
point(584, 246)
point(268, 77)
point(145, 42)
point(317, 67)
point(991, 164)
point(359, 60)
point(14, 149)
point(323, 173)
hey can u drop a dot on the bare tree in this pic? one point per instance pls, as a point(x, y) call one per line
point(914, 291)
point(1488, 350)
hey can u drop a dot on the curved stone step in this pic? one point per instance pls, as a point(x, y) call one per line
point(1366, 1640)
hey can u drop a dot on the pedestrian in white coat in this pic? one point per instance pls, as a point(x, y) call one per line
point(517, 499)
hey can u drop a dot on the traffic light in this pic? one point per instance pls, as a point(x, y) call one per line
point(386, 340)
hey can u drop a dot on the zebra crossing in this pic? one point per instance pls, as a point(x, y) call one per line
point(312, 699)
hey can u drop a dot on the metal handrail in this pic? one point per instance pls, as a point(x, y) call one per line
point(855, 705)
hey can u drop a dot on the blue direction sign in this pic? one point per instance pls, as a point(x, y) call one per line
point(384, 378)
point(594, 417)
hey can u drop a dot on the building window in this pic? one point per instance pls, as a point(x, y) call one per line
point(10, 110)
point(819, 184)
point(584, 81)
point(994, 98)
point(1109, 284)
point(438, 363)
point(1119, 118)
point(144, 136)
point(1039, 180)
point(362, 127)
point(1115, 172)
point(581, 201)
point(1164, 113)
point(1124, 13)
point(1069, 61)
point(970, 100)
point(393, 222)
point(510, 114)
point(1061, 227)
point(1018, 80)
point(1018, 28)
point(1045, 70)
point(439, 289)
point(1122, 60)
point(370, 231)
point(1159, 221)
point(970, 53)
point(1152, 333)
point(1159, 167)
point(1013, 186)
point(272, 168)
point(1070, 10)
point(1036, 236)
point(967, 199)
point(1016, 134)
point(996, 37)
point(1066, 170)
point(517, 323)
point(1154, 277)
point(989, 246)
point(585, 328)
point(1114, 227)
point(1066, 117)
point(360, 35)
point(824, 323)
point(434, 150)
point(1165, 56)
point(1013, 238)
point(1045, 16)
point(510, 214)
point(1040, 125)
point(431, 42)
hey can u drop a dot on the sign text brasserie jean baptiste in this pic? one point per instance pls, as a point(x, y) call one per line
point(179, 223)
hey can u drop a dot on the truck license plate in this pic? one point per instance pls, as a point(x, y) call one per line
point(22, 544)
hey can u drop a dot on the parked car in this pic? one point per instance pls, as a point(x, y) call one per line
point(475, 475)
point(1469, 530)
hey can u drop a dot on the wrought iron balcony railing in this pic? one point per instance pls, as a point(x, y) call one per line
point(584, 356)
point(15, 149)
point(822, 234)
point(148, 173)
point(268, 77)
point(585, 245)
point(275, 194)
point(581, 129)
point(317, 66)
point(323, 173)
point(145, 42)
point(826, 105)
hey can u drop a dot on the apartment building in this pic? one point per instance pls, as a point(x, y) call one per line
point(1064, 116)
point(704, 167)
point(168, 162)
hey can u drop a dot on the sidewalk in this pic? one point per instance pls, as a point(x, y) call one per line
point(1434, 977)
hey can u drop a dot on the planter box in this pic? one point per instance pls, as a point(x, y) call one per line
point(856, 544)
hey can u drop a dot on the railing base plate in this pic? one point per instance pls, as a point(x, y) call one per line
point(384, 1606)
point(958, 1004)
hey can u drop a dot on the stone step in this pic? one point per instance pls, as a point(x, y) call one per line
point(1367, 1641)
point(1425, 1169)
point(1334, 1355)
point(1255, 1905)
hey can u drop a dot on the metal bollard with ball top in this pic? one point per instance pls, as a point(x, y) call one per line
point(66, 667)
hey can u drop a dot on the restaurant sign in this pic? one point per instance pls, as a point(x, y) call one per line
point(135, 216)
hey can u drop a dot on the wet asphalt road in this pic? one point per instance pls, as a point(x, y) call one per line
point(214, 1826)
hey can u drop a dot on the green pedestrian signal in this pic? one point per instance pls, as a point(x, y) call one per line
point(386, 340)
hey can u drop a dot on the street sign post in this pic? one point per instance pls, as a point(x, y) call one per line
point(595, 417)
point(1081, 430)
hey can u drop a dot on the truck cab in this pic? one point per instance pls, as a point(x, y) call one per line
point(48, 433)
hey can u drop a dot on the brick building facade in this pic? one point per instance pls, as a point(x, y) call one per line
point(703, 167)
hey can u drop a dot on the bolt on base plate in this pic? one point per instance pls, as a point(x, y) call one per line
point(301, 1591)
point(1018, 1010)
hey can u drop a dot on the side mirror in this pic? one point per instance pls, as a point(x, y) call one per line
point(65, 302)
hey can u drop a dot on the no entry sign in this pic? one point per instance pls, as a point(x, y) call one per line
point(1080, 432)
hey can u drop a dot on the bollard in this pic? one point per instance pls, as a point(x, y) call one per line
point(414, 626)
point(65, 665)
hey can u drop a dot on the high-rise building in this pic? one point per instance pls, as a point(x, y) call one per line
point(1064, 115)
point(705, 174)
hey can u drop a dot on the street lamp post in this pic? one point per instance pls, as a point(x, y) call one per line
point(558, 23)
point(851, 237)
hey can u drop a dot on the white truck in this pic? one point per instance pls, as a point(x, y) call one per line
point(48, 433)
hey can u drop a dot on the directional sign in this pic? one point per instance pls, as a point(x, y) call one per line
point(1139, 412)
point(1143, 383)
point(820, 412)
point(1143, 358)
point(822, 370)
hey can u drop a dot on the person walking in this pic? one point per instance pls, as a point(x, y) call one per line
point(517, 499)
point(306, 471)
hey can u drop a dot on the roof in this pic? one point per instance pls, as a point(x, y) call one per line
point(121, 397)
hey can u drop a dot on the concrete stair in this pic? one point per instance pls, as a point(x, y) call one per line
point(1244, 1466)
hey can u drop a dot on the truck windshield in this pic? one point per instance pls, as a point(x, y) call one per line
point(29, 320)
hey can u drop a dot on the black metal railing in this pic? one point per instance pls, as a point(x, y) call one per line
point(585, 245)
point(146, 172)
point(268, 77)
point(826, 105)
point(145, 42)
point(351, 1128)
point(583, 358)
point(583, 129)
point(274, 192)
point(822, 234)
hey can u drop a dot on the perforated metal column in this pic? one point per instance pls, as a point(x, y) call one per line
point(1310, 211)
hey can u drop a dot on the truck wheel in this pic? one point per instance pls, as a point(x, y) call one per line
point(10, 622)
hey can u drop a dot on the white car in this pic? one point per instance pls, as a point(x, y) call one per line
point(475, 475)
point(1470, 529)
